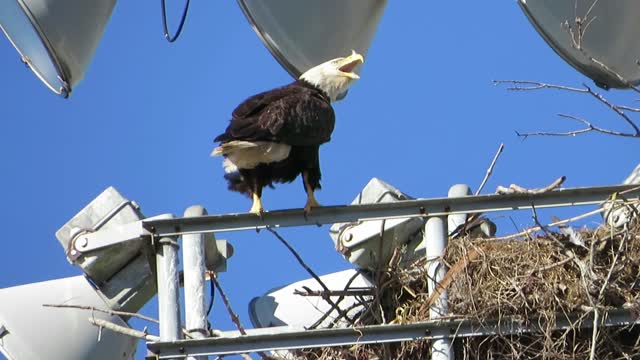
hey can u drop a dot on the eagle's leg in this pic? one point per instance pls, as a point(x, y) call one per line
point(256, 195)
point(256, 207)
point(311, 199)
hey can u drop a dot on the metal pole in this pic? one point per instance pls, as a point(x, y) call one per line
point(458, 190)
point(193, 254)
point(168, 289)
point(287, 337)
point(436, 241)
point(401, 209)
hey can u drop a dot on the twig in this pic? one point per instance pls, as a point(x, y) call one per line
point(453, 272)
point(513, 188)
point(535, 85)
point(490, 169)
point(233, 315)
point(322, 293)
point(123, 330)
point(594, 334)
point(110, 312)
point(533, 229)
point(613, 107)
point(327, 313)
point(308, 269)
point(616, 74)
point(544, 228)
point(537, 228)
point(525, 85)
point(551, 266)
point(227, 304)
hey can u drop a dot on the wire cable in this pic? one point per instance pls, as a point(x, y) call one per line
point(182, 21)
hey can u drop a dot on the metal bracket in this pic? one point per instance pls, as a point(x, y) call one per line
point(84, 241)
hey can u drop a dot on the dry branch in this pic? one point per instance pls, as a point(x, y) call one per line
point(516, 189)
point(619, 110)
point(490, 169)
point(123, 330)
point(234, 317)
point(311, 272)
point(110, 312)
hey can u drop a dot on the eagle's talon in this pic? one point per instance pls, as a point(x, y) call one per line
point(259, 212)
point(311, 203)
point(257, 208)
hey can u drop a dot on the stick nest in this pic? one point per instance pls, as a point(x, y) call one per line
point(535, 278)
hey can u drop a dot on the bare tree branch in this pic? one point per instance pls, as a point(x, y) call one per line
point(490, 169)
point(522, 85)
point(614, 108)
point(589, 127)
point(123, 330)
point(311, 272)
point(516, 189)
point(110, 312)
point(526, 85)
point(348, 292)
point(234, 317)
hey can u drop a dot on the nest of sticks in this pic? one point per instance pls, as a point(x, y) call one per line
point(536, 277)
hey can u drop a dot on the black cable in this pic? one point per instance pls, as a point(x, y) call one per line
point(213, 293)
point(164, 21)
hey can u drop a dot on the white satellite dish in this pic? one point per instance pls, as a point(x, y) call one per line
point(56, 38)
point(281, 307)
point(29, 331)
point(598, 38)
point(303, 34)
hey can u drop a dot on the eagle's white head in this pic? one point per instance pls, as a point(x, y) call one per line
point(334, 76)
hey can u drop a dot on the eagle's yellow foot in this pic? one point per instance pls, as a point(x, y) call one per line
point(257, 208)
point(311, 203)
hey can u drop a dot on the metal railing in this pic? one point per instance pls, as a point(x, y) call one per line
point(166, 231)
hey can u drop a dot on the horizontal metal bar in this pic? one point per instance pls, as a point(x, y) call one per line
point(402, 209)
point(280, 338)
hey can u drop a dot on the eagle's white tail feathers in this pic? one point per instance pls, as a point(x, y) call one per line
point(248, 154)
point(226, 148)
point(228, 166)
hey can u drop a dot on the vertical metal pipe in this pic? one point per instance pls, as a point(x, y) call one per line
point(436, 238)
point(193, 254)
point(458, 190)
point(168, 289)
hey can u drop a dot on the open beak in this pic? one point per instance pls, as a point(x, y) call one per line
point(349, 63)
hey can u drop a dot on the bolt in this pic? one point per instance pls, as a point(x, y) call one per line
point(82, 242)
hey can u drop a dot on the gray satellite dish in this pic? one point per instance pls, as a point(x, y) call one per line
point(302, 34)
point(29, 331)
point(598, 38)
point(56, 38)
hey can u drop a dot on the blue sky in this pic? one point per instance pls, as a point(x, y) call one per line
point(425, 115)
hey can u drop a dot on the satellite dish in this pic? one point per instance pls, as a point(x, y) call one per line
point(56, 38)
point(303, 34)
point(282, 307)
point(29, 331)
point(598, 38)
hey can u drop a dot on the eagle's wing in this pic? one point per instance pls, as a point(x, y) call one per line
point(293, 115)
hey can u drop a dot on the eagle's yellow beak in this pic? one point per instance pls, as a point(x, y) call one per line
point(346, 65)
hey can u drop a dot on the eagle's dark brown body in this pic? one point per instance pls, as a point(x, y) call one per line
point(299, 115)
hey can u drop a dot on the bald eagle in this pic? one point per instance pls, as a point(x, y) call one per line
point(274, 136)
